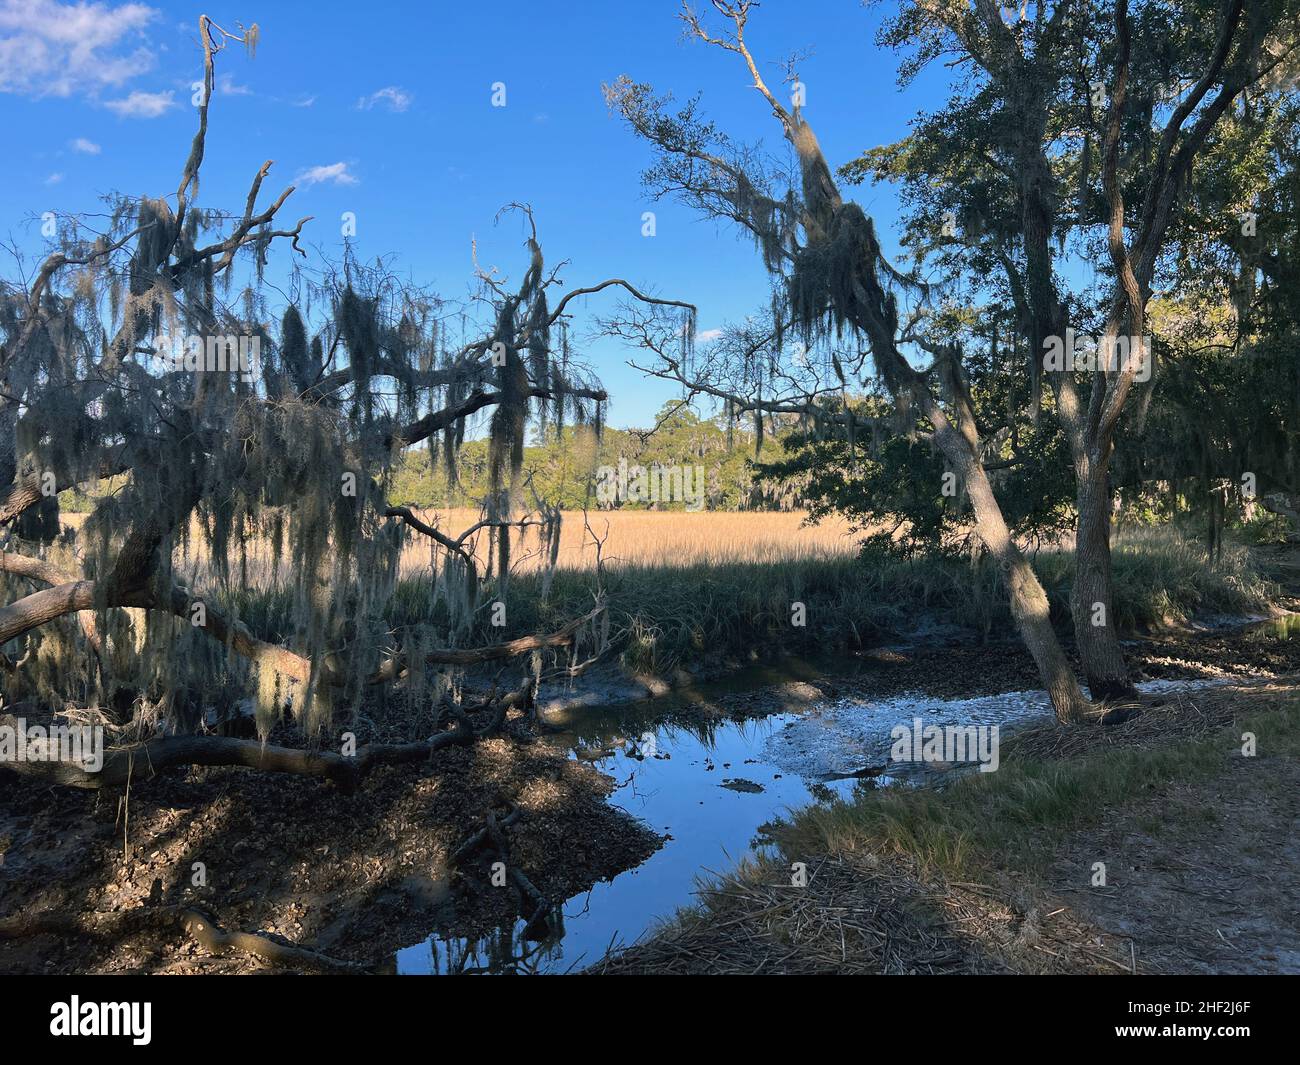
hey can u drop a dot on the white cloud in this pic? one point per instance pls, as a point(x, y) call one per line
point(304, 101)
point(86, 147)
point(394, 98)
point(226, 86)
point(707, 334)
point(334, 173)
point(54, 179)
point(142, 104)
point(48, 48)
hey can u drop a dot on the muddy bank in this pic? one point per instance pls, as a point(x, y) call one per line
point(356, 877)
point(966, 668)
point(367, 877)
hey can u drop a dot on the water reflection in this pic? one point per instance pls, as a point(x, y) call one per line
point(713, 788)
point(678, 790)
point(509, 950)
point(1286, 627)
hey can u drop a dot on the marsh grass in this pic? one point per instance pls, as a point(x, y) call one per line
point(675, 609)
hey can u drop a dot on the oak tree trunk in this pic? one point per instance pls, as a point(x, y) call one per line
point(1028, 599)
point(1091, 599)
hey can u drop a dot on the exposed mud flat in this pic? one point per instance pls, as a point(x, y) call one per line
point(356, 877)
point(947, 664)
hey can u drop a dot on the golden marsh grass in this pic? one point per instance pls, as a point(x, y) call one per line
point(633, 537)
point(644, 537)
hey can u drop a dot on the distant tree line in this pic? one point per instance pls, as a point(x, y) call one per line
point(563, 466)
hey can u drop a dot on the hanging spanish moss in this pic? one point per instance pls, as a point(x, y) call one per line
point(238, 442)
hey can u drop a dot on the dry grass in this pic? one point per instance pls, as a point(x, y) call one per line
point(860, 915)
point(716, 587)
point(851, 918)
point(642, 537)
point(656, 538)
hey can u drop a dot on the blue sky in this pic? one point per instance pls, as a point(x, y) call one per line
point(385, 110)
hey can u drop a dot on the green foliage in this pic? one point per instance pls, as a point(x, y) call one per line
point(896, 487)
point(1228, 345)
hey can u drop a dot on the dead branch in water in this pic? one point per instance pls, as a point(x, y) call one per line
point(483, 836)
point(535, 908)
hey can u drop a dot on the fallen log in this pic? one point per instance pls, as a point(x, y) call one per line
point(142, 761)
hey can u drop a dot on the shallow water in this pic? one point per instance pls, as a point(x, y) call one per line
point(712, 789)
point(847, 735)
point(678, 792)
point(1286, 627)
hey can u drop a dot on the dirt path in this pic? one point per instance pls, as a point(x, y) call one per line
point(1204, 878)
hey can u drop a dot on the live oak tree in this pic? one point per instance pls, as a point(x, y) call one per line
point(832, 280)
point(232, 479)
point(1083, 123)
point(834, 287)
